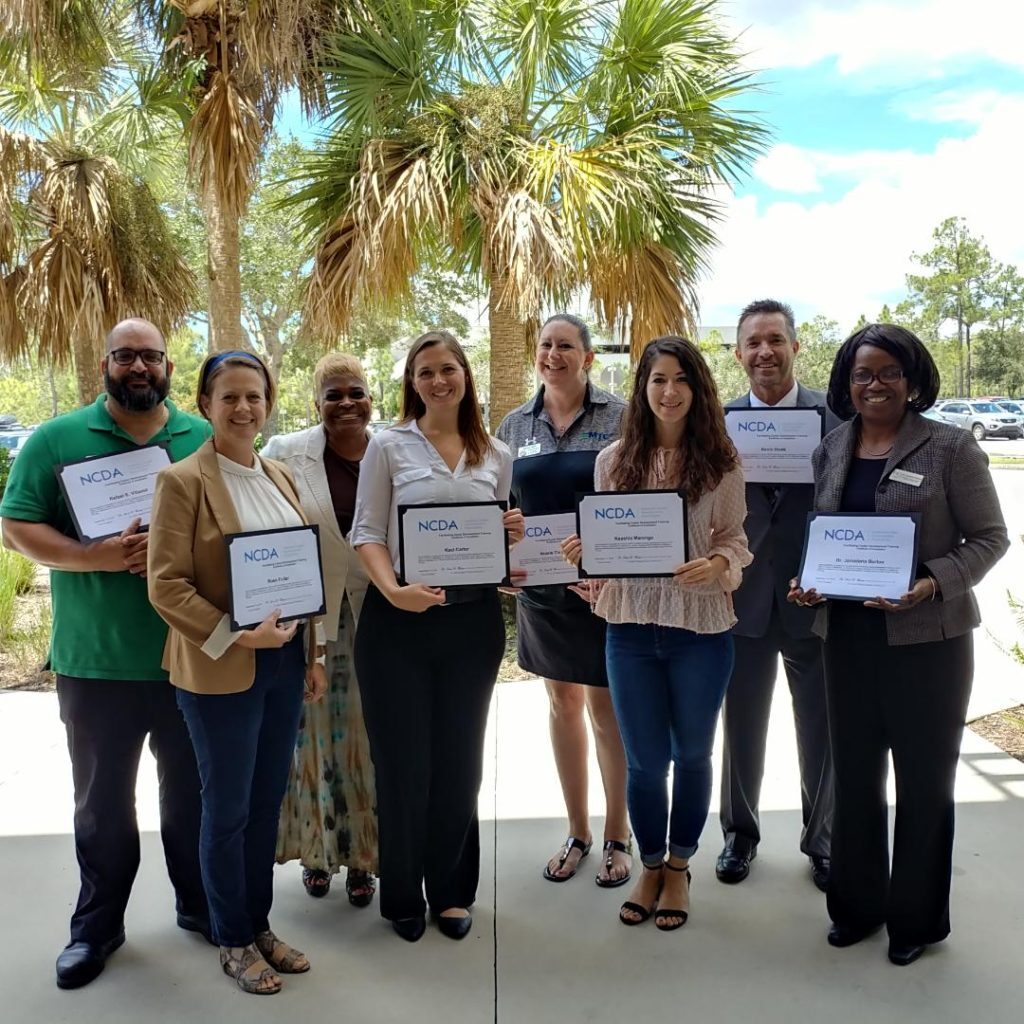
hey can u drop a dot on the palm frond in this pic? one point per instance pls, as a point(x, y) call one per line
point(226, 135)
point(369, 255)
point(644, 293)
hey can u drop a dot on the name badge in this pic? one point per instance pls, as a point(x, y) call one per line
point(904, 476)
point(526, 450)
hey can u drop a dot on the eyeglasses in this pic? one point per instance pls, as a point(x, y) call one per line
point(127, 356)
point(887, 375)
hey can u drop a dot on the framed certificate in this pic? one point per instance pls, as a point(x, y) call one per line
point(105, 493)
point(453, 544)
point(860, 557)
point(631, 533)
point(775, 445)
point(270, 569)
point(540, 551)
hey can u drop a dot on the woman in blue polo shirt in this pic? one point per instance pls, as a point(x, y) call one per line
point(555, 438)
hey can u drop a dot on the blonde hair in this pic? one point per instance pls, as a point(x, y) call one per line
point(337, 364)
point(213, 366)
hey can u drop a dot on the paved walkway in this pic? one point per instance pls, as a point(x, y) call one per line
point(538, 952)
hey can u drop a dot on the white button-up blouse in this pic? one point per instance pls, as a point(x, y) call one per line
point(401, 467)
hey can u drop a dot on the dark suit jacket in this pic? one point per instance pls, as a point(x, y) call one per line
point(775, 535)
point(961, 535)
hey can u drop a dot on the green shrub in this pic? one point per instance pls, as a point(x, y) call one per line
point(17, 575)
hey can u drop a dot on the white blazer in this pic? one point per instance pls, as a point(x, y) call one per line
point(303, 454)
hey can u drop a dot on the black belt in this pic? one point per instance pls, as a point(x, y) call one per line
point(464, 595)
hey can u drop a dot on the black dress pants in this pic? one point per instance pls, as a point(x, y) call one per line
point(910, 700)
point(748, 705)
point(107, 721)
point(426, 681)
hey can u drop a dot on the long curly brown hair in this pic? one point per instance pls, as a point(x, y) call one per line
point(705, 453)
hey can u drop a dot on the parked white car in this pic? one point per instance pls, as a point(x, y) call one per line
point(982, 419)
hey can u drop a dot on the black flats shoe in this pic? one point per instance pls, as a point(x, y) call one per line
point(81, 962)
point(903, 955)
point(843, 935)
point(455, 927)
point(733, 865)
point(410, 928)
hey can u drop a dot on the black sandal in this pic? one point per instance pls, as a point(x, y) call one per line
point(612, 846)
point(643, 913)
point(317, 883)
point(360, 886)
point(663, 912)
point(571, 843)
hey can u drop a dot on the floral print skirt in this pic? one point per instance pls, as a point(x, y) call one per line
point(329, 814)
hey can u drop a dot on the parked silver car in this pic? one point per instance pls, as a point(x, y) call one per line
point(982, 419)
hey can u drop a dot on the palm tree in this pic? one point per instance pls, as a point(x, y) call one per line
point(549, 145)
point(230, 60)
point(83, 242)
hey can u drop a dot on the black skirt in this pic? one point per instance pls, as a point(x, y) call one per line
point(564, 643)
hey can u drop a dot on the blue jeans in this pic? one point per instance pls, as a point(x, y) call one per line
point(667, 686)
point(244, 744)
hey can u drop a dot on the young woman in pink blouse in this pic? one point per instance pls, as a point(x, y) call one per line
point(669, 650)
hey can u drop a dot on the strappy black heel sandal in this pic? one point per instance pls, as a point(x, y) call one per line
point(664, 913)
point(642, 913)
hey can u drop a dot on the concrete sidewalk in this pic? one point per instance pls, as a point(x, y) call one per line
point(538, 952)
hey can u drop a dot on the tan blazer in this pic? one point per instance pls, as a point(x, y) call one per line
point(303, 454)
point(188, 571)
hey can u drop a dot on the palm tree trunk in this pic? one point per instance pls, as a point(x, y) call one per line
point(225, 297)
point(509, 345)
point(88, 375)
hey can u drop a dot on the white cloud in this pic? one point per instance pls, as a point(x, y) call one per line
point(952, 106)
point(849, 256)
point(895, 39)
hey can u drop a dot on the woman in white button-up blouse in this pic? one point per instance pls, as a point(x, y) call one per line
point(427, 660)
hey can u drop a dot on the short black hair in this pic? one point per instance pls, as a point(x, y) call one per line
point(582, 329)
point(767, 306)
point(919, 369)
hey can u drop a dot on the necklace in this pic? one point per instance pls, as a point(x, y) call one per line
point(875, 455)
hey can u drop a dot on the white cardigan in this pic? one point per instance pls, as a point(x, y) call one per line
point(303, 454)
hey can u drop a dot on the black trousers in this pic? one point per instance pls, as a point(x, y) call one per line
point(107, 721)
point(748, 704)
point(426, 682)
point(911, 700)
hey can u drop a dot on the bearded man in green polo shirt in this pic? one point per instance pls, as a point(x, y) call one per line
point(106, 648)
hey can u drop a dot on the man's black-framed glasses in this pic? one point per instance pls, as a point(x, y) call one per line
point(887, 375)
point(127, 356)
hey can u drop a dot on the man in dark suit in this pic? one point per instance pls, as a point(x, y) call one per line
point(768, 625)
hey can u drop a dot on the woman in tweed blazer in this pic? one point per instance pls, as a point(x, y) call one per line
point(898, 674)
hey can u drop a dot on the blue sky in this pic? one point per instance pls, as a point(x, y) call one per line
point(887, 117)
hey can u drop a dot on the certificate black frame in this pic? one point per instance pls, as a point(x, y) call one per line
point(915, 517)
point(580, 495)
point(537, 586)
point(230, 537)
point(61, 466)
point(775, 410)
point(402, 509)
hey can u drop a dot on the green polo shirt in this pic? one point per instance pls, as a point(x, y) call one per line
point(103, 624)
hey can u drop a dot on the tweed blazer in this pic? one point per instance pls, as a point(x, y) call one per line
point(303, 454)
point(188, 570)
point(961, 534)
point(775, 528)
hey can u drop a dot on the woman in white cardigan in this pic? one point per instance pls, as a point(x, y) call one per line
point(329, 816)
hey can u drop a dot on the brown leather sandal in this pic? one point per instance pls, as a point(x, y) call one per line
point(265, 983)
point(280, 955)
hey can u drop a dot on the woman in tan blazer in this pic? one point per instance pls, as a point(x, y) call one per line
point(241, 693)
point(898, 673)
point(329, 815)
